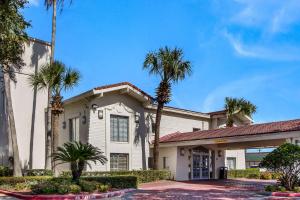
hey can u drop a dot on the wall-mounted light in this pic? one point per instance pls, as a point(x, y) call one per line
point(100, 114)
point(137, 117)
point(219, 153)
point(64, 125)
point(182, 151)
point(95, 106)
point(83, 119)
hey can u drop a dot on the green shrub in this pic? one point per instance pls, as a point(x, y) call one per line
point(74, 189)
point(115, 181)
point(88, 186)
point(266, 175)
point(276, 176)
point(144, 176)
point(39, 172)
point(296, 189)
point(253, 176)
point(45, 188)
point(271, 188)
point(243, 173)
point(281, 189)
point(15, 180)
point(63, 189)
point(6, 187)
point(22, 186)
point(102, 188)
point(5, 171)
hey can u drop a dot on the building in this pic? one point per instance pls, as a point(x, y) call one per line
point(253, 159)
point(119, 119)
point(29, 110)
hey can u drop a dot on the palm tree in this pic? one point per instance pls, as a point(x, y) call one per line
point(49, 4)
point(237, 105)
point(57, 77)
point(12, 40)
point(78, 155)
point(170, 66)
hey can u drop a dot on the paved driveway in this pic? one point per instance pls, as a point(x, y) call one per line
point(4, 197)
point(215, 190)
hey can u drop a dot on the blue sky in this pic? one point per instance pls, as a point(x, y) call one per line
point(238, 48)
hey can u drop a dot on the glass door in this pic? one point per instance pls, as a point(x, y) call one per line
point(196, 166)
point(204, 167)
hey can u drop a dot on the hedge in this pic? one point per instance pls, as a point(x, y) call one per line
point(15, 180)
point(244, 173)
point(38, 172)
point(5, 171)
point(114, 181)
point(253, 173)
point(144, 176)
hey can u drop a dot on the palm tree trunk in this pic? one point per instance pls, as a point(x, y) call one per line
point(55, 134)
point(12, 126)
point(49, 144)
point(156, 137)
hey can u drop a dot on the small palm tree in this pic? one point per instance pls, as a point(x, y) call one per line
point(78, 155)
point(236, 105)
point(58, 77)
point(170, 66)
point(54, 4)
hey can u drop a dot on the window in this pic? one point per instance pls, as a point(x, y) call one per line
point(196, 129)
point(153, 127)
point(164, 162)
point(118, 161)
point(118, 128)
point(231, 163)
point(74, 129)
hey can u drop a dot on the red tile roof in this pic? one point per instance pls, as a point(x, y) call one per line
point(255, 129)
point(121, 84)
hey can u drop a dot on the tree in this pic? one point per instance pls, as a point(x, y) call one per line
point(171, 67)
point(49, 4)
point(78, 155)
point(237, 105)
point(12, 40)
point(285, 160)
point(58, 77)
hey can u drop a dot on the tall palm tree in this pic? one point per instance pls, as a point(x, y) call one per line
point(49, 4)
point(171, 67)
point(78, 155)
point(58, 77)
point(12, 40)
point(237, 105)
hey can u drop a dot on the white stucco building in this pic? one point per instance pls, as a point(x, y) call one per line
point(119, 119)
point(29, 109)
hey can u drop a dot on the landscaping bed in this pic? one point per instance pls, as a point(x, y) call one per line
point(47, 186)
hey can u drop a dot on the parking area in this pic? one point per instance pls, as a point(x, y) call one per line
point(237, 189)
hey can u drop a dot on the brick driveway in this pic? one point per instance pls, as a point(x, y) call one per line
point(215, 190)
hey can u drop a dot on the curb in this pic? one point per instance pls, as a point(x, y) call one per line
point(67, 196)
point(285, 194)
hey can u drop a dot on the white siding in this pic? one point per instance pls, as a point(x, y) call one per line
point(29, 114)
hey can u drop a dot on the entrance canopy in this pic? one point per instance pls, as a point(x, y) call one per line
point(256, 135)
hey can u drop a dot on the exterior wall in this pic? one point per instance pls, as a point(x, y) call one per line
point(185, 165)
point(172, 122)
point(29, 110)
point(171, 160)
point(240, 158)
point(97, 131)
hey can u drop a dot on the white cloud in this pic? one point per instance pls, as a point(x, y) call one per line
point(272, 16)
point(273, 52)
point(239, 88)
point(34, 2)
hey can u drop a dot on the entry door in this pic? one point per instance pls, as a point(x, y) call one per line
point(205, 167)
point(196, 166)
point(200, 166)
